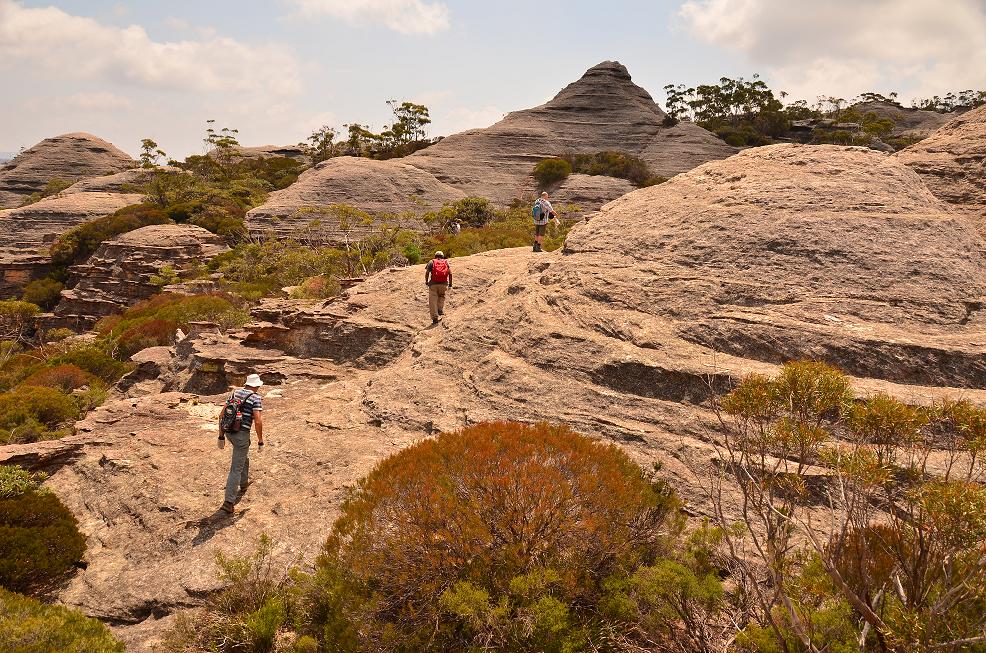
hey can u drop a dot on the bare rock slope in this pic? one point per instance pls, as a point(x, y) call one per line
point(120, 272)
point(839, 254)
point(69, 157)
point(604, 110)
point(952, 162)
point(26, 233)
point(382, 187)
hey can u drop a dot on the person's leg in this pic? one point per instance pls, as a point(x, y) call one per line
point(442, 289)
point(245, 474)
point(241, 448)
point(433, 301)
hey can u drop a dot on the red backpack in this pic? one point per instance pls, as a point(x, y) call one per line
point(439, 271)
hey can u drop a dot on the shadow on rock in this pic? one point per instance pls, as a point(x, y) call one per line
point(209, 526)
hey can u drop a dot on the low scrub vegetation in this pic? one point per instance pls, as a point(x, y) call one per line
point(29, 626)
point(79, 243)
point(39, 537)
point(45, 387)
point(52, 188)
point(155, 321)
point(550, 172)
point(515, 537)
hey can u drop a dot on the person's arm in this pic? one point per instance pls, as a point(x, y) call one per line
point(258, 419)
point(450, 276)
point(428, 273)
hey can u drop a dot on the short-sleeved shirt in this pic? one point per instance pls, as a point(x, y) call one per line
point(251, 402)
point(546, 210)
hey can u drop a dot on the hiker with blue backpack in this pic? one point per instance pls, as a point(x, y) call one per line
point(243, 409)
point(438, 278)
point(542, 212)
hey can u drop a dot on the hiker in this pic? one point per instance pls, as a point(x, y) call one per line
point(542, 212)
point(243, 409)
point(438, 277)
point(457, 227)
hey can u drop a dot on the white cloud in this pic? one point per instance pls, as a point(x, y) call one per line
point(845, 47)
point(55, 43)
point(404, 16)
point(97, 101)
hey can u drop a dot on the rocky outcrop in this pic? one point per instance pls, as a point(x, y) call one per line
point(952, 162)
point(666, 295)
point(129, 181)
point(272, 151)
point(120, 272)
point(27, 233)
point(604, 110)
point(69, 157)
point(909, 122)
point(388, 188)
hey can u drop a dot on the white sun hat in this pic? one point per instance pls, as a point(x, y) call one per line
point(253, 381)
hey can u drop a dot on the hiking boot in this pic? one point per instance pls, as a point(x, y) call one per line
point(227, 508)
point(434, 320)
point(441, 313)
point(537, 247)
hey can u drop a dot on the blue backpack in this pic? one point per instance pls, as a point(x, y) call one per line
point(537, 210)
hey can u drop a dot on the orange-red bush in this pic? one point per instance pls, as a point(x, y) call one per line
point(65, 377)
point(486, 508)
point(153, 333)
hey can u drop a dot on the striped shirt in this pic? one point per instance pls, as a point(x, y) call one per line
point(251, 402)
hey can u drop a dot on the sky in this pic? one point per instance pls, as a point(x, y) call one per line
point(278, 69)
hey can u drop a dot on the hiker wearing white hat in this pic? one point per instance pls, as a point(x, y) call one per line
point(438, 277)
point(243, 409)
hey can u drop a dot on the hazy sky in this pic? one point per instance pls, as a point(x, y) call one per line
point(277, 69)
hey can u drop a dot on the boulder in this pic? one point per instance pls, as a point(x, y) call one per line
point(120, 272)
point(69, 157)
point(27, 233)
point(952, 162)
point(603, 111)
point(381, 187)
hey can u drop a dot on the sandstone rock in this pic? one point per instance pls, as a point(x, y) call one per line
point(270, 151)
point(129, 181)
point(604, 110)
point(666, 295)
point(952, 162)
point(589, 192)
point(26, 233)
point(119, 273)
point(379, 187)
point(69, 157)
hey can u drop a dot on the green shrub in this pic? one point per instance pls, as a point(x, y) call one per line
point(258, 601)
point(551, 171)
point(53, 187)
point(57, 335)
point(78, 243)
point(43, 292)
point(15, 481)
point(32, 413)
point(613, 164)
point(468, 212)
point(39, 541)
point(29, 626)
point(94, 360)
point(502, 533)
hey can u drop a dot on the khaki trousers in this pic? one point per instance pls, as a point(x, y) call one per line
point(436, 299)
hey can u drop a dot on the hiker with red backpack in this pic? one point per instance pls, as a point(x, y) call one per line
point(438, 277)
point(243, 409)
